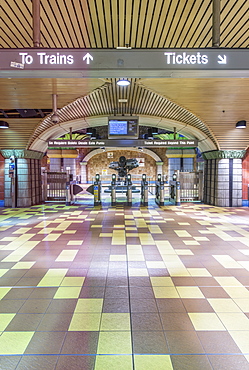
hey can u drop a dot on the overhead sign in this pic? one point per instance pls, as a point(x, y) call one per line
point(111, 62)
point(122, 143)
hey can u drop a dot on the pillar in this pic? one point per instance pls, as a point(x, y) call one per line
point(83, 173)
point(223, 178)
point(55, 165)
point(28, 177)
point(159, 168)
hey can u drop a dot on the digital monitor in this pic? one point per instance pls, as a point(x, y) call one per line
point(121, 127)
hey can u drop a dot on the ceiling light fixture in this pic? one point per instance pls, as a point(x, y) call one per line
point(123, 82)
point(241, 124)
point(4, 124)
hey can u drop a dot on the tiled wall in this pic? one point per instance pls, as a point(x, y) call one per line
point(223, 187)
point(245, 174)
point(28, 180)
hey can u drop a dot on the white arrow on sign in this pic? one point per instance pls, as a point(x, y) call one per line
point(88, 57)
point(222, 60)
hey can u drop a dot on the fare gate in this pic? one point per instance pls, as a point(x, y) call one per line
point(55, 186)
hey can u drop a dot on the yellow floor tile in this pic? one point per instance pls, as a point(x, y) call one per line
point(85, 322)
point(237, 292)
point(155, 264)
point(114, 342)
point(75, 242)
point(182, 233)
point(146, 239)
point(234, 321)
point(5, 319)
point(51, 237)
point(3, 271)
point(184, 252)
point(191, 242)
point(189, 292)
point(89, 305)
point(14, 343)
point(207, 321)
point(3, 291)
point(198, 272)
point(165, 292)
point(227, 262)
point(138, 272)
point(153, 362)
point(241, 338)
point(228, 281)
point(224, 305)
point(161, 281)
point(22, 230)
point(23, 265)
point(67, 292)
point(113, 362)
point(243, 304)
point(115, 321)
point(118, 257)
point(67, 255)
point(73, 281)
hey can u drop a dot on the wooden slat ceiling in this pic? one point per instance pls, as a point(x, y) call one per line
point(139, 24)
point(112, 23)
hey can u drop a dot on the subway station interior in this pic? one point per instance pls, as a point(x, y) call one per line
point(124, 184)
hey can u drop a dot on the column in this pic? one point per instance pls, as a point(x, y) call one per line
point(28, 177)
point(83, 172)
point(223, 178)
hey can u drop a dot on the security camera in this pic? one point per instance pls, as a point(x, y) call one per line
point(55, 118)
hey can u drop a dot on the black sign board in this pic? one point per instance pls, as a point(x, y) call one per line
point(110, 62)
point(122, 143)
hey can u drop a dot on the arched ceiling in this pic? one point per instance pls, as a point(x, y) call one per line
point(104, 101)
point(213, 105)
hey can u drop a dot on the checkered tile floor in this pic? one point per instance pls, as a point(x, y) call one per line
point(124, 288)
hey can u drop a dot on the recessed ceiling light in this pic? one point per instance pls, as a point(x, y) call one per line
point(241, 124)
point(4, 124)
point(123, 82)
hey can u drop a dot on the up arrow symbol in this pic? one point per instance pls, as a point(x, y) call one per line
point(88, 57)
point(222, 60)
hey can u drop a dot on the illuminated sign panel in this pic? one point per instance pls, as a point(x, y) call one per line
point(122, 143)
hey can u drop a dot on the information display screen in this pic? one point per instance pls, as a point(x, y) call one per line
point(121, 127)
point(118, 127)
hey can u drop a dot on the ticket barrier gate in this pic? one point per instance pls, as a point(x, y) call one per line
point(97, 190)
point(113, 190)
point(159, 191)
point(175, 191)
point(144, 191)
point(129, 190)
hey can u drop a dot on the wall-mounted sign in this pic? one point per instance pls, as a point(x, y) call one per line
point(122, 143)
point(109, 62)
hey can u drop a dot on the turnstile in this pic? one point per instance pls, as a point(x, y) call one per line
point(144, 191)
point(159, 191)
point(97, 190)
